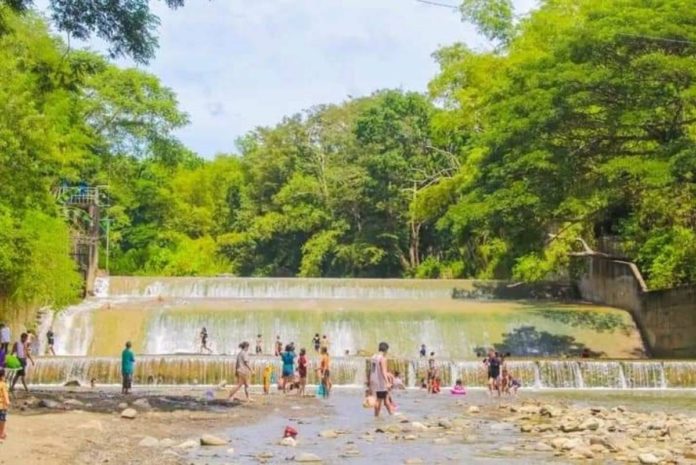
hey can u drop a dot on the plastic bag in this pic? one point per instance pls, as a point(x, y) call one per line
point(369, 401)
point(12, 362)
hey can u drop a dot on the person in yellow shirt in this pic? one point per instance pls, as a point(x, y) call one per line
point(325, 372)
point(4, 403)
point(267, 374)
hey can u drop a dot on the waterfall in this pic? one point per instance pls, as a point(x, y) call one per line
point(351, 371)
point(281, 288)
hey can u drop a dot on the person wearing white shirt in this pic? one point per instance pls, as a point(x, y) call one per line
point(4, 337)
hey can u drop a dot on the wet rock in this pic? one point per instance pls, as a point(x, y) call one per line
point(142, 404)
point(648, 459)
point(328, 434)
point(72, 383)
point(550, 411)
point(190, 444)
point(582, 452)
point(129, 413)
point(526, 428)
point(445, 424)
point(74, 403)
point(265, 455)
point(230, 451)
point(307, 457)
point(474, 409)
point(559, 442)
point(148, 441)
point(288, 442)
point(591, 424)
point(351, 452)
point(48, 403)
point(210, 440)
point(122, 406)
point(413, 461)
point(573, 443)
point(530, 409)
point(410, 437)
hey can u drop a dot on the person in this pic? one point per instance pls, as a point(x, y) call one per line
point(325, 372)
point(423, 384)
point(288, 358)
point(432, 372)
point(267, 375)
point(458, 388)
point(398, 383)
point(127, 365)
point(324, 342)
point(493, 363)
point(423, 351)
point(3, 355)
point(204, 341)
point(302, 364)
point(51, 340)
point(317, 342)
point(5, 337)
point(259, 344)
point(242, 370)
point(435, 385)
point(379, 378)
point(22, 351)
point(278, 347)
point(508, 383)
point(4, 404)
point(585, 353)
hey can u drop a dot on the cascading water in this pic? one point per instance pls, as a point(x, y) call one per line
point(163, 317)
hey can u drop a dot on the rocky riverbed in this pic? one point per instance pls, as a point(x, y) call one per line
point(191, 427)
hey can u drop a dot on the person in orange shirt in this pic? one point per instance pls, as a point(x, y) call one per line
point(4, 403)
point(325, 372)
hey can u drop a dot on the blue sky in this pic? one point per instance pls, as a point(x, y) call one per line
point(239, 64)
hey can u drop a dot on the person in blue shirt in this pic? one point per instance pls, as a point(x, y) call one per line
point(288, 358)
point(127, 365)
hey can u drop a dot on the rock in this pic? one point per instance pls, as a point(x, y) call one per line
point(445, 424)
point(530, 409)
point(148, 441)
point(606, 443)
point(74, 403)
point(542, 447)
point(129, 414)
point(526, 428)
point(474, 409)
point(413, 461)
point(288, 442)
point(410, 437)
point(418, 426)
point(72, 383)
point(230, 451)
point(143, 404)
point(573, 443)
point(190, 444)
point(328, 434)
point(168, 442)
point(441, 441)
point(591, 424)
point(348, 453)
point(559, 442)
point(570, 426)
point(48, 403)
point(582, 452)
point(210, 440)
point(550, 411)
point(307, 457)
point(393, 428)
point(265, 455)
point(648, 459)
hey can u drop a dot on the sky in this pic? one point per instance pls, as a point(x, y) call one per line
point(239, 64)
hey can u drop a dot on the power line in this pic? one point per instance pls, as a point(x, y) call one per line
point(442, 5)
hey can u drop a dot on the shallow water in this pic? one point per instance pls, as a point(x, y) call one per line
point(344, 412)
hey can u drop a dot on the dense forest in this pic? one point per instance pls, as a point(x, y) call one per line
point(579, 123)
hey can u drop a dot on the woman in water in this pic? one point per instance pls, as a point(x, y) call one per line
point(379, 378)
point(325, 371)
point(243, 371)
point(302, 371)
point(288, 358)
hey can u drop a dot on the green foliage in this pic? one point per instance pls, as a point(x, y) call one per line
point(492, 17)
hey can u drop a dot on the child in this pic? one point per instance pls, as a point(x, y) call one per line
point(267, 374)
point(4, 403)
point(458, 388)
point(435, 386)
point(397, 383)
point(509, 385)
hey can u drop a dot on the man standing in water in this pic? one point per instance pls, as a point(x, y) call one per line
point(259, 344)
point(243, 371)
point(493, 363)
point(204, 341)
point(22, 351)
point(316, 341)
point(379, 378)
point(127, 365)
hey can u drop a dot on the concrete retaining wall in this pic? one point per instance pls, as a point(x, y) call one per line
point(666, 318)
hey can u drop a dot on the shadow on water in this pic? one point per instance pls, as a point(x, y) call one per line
point(600, 322)
point(527, 341)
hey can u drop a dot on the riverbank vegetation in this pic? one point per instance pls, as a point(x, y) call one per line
point(580, 123)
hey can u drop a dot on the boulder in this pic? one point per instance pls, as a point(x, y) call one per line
point(474, 409)
point(307, 457)
point(210, 440)
point(418, 426)
point(129, 413)
point(591, 424)
point(648, 459)
point(148, 441)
